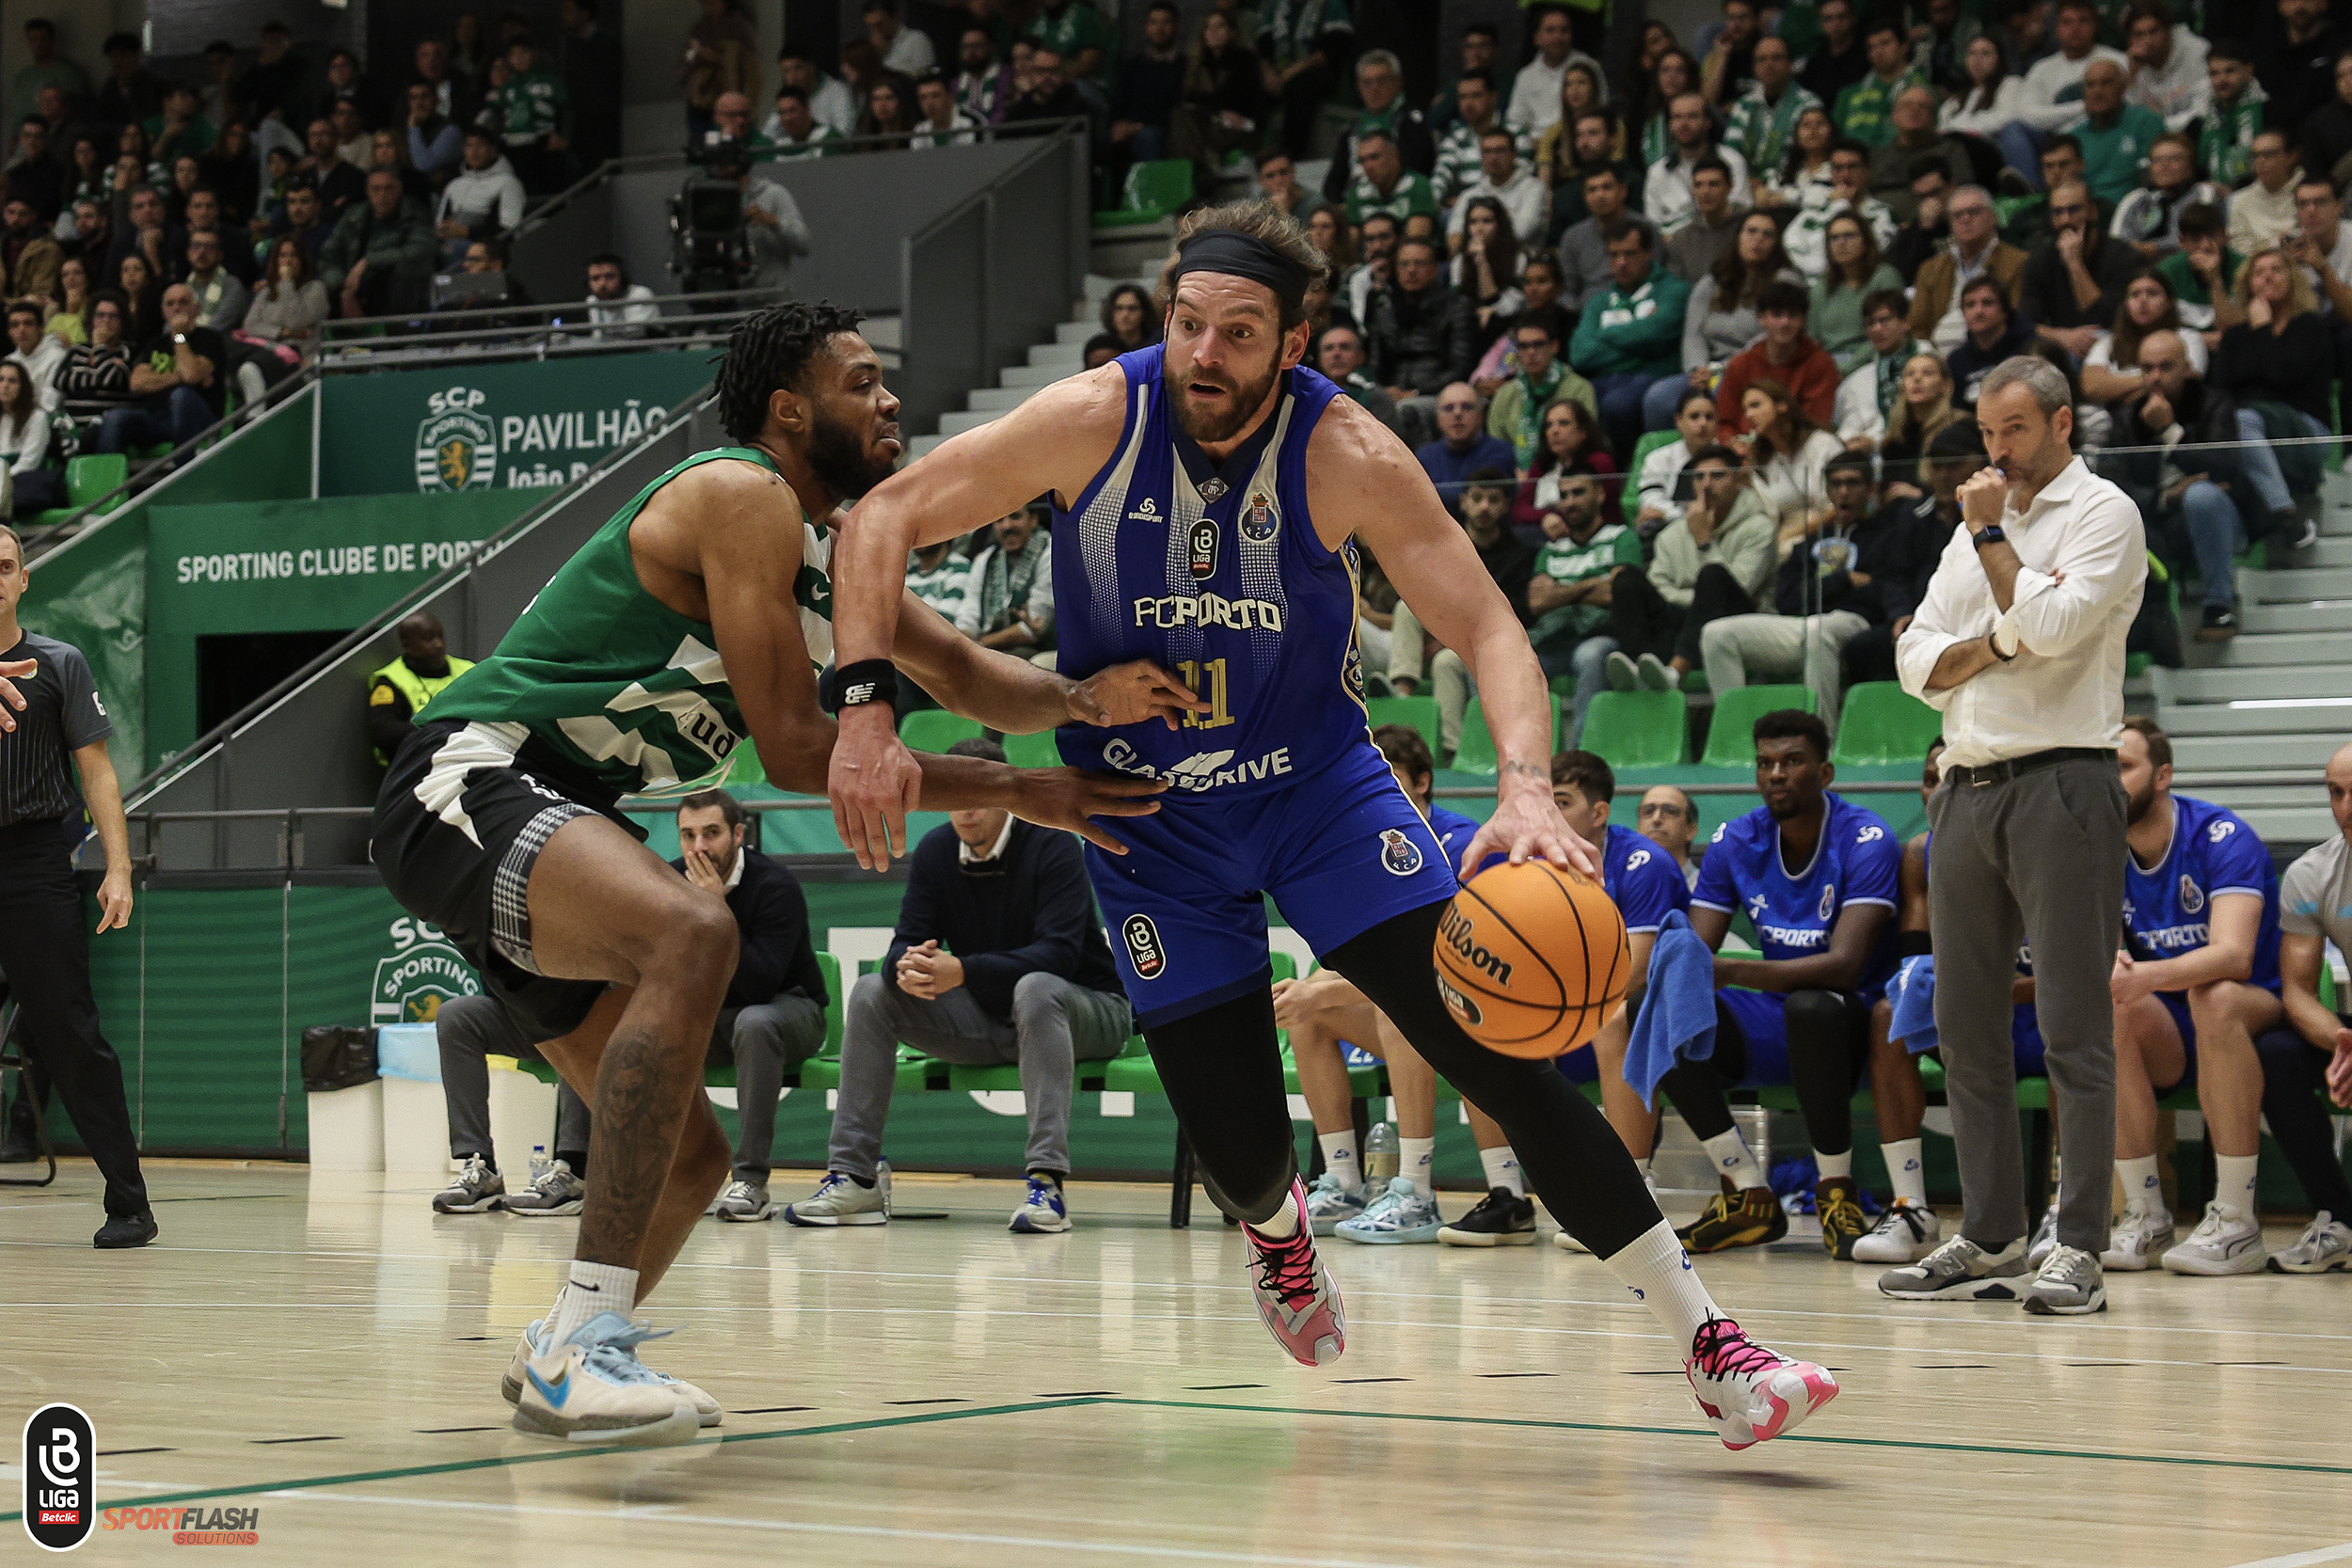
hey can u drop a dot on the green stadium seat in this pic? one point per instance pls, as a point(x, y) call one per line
point(1883, 722)
point(1421, 713)
point(1155, 189)
point(1637, 729)
point(1476, 753)
point(1032, 750)
point(837, 1002)
point(86, 480)
point(1652, 440)
point(935, 730)
point(1736, 712)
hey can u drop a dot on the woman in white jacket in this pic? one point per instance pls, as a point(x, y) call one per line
point(1992, 106)
point(26, 485)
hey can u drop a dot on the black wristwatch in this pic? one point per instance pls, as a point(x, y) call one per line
point(1990, 534)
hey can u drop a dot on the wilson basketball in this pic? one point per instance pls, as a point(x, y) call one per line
point(1532, 960)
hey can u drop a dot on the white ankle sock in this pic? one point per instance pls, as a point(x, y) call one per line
point(1834, 1167)
point(1733, 1162)
point(1414, 1157)
point(2143, 1189)
point(593, 1288)
point(1281, 1224)
point(1906, 1167)
point(1659, 1272)
point(2235, 1181)
point(1339, 1159)
point(1503, 1170)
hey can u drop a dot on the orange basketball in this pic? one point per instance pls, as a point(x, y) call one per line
point(1532, 960)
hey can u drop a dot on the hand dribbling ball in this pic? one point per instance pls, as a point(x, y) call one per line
point(1531, 959)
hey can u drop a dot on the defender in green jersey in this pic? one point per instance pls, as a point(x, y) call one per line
point(698, 616)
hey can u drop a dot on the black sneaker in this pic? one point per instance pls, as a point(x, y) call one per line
point(1751, 1217)
point(125, 1230)
point(1502, 1218)
point(2221, 624)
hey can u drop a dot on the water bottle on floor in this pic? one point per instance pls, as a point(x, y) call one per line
point(1382, 1156)
point(540, 1164)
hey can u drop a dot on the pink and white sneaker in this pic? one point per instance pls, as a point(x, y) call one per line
point(1295, 1297)
point(1750, 1393)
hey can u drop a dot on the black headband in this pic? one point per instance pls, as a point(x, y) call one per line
point(1240, 255)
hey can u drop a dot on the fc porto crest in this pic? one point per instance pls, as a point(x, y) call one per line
point(1260, 519)
point(1201, 548)
point(2192, 896)
point(1829, 901)
point(1399, 855)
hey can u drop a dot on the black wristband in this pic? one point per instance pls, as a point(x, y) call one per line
point(870, 680)
point(1991, 534)
point(1910, 943)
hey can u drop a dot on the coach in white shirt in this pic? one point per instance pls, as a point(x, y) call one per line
point(2020, 644)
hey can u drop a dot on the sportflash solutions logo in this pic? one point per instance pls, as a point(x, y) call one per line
point(60, 1472)
point(191, 1526)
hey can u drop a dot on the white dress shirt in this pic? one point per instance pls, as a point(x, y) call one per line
point(1534, 106)
point(1525, 198)
point(2065, 685)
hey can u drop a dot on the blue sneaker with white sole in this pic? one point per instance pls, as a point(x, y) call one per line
point(1401, 1215)
point(1042, 1212)
point(592, 1388)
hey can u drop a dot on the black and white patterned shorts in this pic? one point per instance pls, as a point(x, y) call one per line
point(459, 824)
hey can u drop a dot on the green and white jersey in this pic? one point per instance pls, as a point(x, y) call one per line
point(944, 587)
point(1569, 560)
point(614, 683)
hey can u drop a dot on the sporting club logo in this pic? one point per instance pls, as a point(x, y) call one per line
point(1203, 550)
point(420, 972)
point(1144, 952)
point(2192, 896)
point(1260, 519)
point(1829, 901)
point(457, 447)
point(1399, 855)
point(60, 1472)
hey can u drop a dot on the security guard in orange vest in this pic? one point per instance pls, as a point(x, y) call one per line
point(399, 692)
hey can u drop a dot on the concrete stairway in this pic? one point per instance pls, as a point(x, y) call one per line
point(2275, 701)
point(1060, 355)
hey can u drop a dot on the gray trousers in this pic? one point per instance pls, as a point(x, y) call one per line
point(1056, 1024)
point(472, 1029)
point(2040, 857)
point(763, 1041)
point(1740, 648)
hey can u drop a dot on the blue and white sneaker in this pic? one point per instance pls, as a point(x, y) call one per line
point(1331, 1201)
point(1042, 1212)
point(592, 1388)
point(706, 1411)
point(1402, 1215)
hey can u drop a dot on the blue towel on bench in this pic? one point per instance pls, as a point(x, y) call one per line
point(1913, 994)
point(1677, 1018)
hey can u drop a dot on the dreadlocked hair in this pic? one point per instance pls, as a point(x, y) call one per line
point(772, 350)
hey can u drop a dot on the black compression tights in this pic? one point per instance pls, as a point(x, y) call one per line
point(1223, 1075)
point(1829, 1045)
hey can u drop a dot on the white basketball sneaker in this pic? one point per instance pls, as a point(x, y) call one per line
point(592, 1388)
point(2227, 1241)
point(1905, 1234)
point(2326, 1244)
point(1331, 1201)
point(706, 1411)
point(1748, 1393)
point(2045, 1237)
point(2136, 1240)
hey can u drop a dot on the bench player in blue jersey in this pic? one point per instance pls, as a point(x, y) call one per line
point(1322, 1013)
point(1209, 491)
point(2198, 981)
point(1816, 877)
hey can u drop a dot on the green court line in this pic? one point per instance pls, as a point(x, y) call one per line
point(1792, 1437)
point(567, 1451)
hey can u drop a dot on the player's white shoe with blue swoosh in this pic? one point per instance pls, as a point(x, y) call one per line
point(592, 1388)
point(706, 1410)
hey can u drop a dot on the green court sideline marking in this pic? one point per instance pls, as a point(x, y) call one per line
point(1792, 1437)
point(568, 1451)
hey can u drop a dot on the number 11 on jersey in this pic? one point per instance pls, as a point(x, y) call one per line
point(1191, 671)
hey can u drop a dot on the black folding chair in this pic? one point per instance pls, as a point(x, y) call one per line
point(12, 1058)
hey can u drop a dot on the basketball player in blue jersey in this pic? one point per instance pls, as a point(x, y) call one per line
point(2200, 980)
point(1208, 494)
point(1816, 876)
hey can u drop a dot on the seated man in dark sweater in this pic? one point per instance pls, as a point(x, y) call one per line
point(999, 956)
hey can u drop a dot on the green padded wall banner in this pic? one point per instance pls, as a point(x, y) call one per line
point(93, 591)
point(291, 566)
point(531, 425)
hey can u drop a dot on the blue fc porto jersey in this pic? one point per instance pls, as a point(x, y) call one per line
point(1641, 880)
point(1214, 571)
point(2168, 909)
point(1858, 861)
point(1455, 832)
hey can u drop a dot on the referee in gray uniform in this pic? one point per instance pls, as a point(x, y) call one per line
point(2020, 643)
point(53, 726)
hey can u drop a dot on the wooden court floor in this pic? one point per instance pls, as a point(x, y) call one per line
point(942, 1392)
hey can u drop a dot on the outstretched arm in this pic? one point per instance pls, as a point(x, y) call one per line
point(1014, 695)
point(1055, 442)
point(1360, 479)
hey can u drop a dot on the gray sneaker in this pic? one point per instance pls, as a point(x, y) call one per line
point(1622, 673)
point(2068, 1286)
point(552, 1196)
point(1655, 675)
point(1959, 1270)
point(840, 1201)
point(476, 1190)
point(2326, 1244)
point(2045, 1237)
point(744, 1202)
